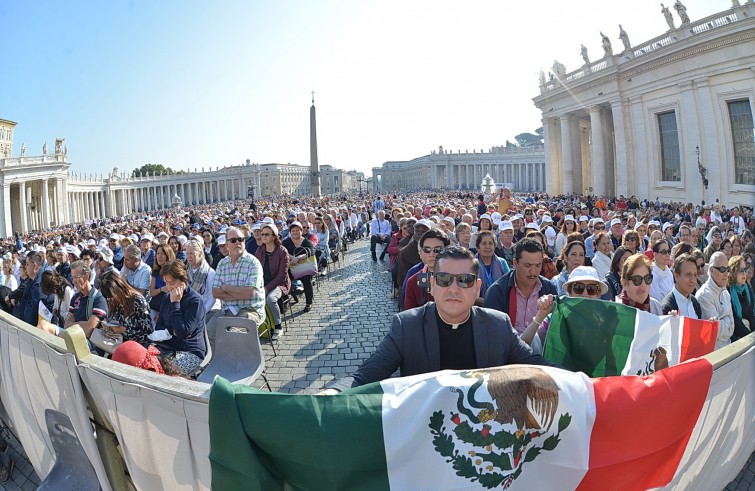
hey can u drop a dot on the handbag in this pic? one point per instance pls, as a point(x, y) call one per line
point(308, 267)
point(106, 340)
point(156, 301)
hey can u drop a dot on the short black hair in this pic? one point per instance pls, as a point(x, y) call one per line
point(460, 253)
point(527, 244)
point(88, 253)
point(435, 234)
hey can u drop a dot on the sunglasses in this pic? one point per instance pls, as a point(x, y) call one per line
point(428, 250)
point(663, 252)
point(700, 266)
point(599, 227)
point(264, 234)
point(637, 279)
point(234, 240)
point(579, 289)
point(464, 280)
point(631, 239)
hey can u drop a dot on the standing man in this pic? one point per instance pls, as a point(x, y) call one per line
point(379, 205)
point(505, 244)
point(239, 283)
point(29, 307)
point(64, 267)
point(408, 256)
point(381, 234)
point(450, 333)
point(145, 245)
point(136, 272)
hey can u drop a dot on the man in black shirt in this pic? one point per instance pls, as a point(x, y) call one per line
point(450, 333)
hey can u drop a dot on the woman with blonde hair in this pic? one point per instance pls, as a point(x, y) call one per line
point(10, 280)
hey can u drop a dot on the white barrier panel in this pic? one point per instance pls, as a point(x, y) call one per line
point(41, 389)
point(165, 438)
point(724, 436)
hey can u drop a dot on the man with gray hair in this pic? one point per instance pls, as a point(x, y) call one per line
point(137, 273)
point(715, 299)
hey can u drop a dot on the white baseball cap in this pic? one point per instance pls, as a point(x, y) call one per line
point(505, 225)
point(615, 221)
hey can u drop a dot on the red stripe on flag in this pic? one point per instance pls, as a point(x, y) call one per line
point(642, 426)
point(698, 338)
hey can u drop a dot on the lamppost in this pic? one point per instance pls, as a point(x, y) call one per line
point(703, 171)
point(360, 179)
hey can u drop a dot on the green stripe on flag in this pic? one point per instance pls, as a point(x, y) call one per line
point(590, 336)
point(338, 439)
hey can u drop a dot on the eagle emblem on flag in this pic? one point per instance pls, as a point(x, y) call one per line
point(490, 438)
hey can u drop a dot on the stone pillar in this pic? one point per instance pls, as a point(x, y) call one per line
point(619, 170)
point(45, 215)
point(597, 147)
point(567, 155)
point(6, 227)
point(717, 181)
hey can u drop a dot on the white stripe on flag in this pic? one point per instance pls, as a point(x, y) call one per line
point(415, 463)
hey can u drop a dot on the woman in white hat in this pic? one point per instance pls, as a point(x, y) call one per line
point(583, 282)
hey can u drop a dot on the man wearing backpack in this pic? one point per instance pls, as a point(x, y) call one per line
point(88, 305)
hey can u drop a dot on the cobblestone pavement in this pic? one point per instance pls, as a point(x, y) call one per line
point(352, 313)
point(23, 477)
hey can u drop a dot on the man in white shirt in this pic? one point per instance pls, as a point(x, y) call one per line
point(380, 229)
point(715, 299)
point(680, 299)
point(737, 221)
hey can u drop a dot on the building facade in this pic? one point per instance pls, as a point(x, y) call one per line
point(40, 191)
point(441, 169)
point(671, 117)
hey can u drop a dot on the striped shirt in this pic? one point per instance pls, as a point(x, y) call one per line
point(247, 272)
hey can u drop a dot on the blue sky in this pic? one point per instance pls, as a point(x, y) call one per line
point(191, 84)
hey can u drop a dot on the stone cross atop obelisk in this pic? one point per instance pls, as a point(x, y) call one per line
point(314, 166)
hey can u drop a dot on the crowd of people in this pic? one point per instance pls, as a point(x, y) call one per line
point(516, 254)
point(148, 288)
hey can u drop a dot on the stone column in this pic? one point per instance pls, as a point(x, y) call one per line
point(717, 181)
point(45, 215)
point(567, 155)
point(619, 171)
point(7, 221)
point(598, 152)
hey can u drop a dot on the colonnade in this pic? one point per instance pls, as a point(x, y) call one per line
point(581, 149)
point(526, 176)
point(123, 199)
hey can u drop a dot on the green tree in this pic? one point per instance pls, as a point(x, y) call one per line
point(154, 169)
point(528, 140)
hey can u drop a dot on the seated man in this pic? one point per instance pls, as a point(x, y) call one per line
point(450, 333)
point(88, 305)
point(417, 293)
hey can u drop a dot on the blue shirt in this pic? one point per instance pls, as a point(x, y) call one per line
point(184, 320)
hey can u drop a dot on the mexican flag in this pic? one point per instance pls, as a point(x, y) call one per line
point(607, 338)
point(514, 427)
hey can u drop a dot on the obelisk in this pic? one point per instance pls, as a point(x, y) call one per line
point(314, 167)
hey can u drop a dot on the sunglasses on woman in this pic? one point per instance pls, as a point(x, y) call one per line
point(464, 280)
point(637, 279)
point(579, 289)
